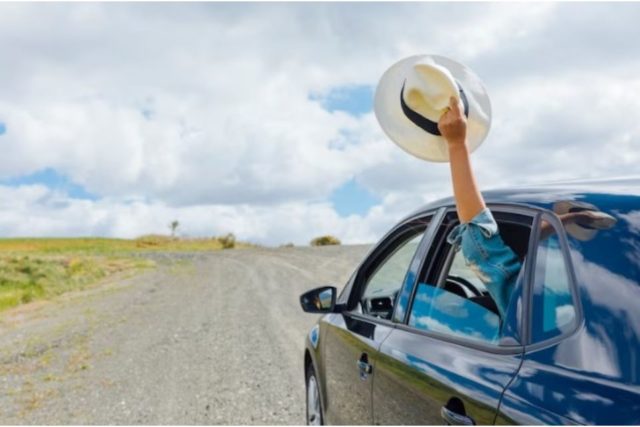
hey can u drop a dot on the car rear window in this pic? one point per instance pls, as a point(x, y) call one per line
point(553, 310)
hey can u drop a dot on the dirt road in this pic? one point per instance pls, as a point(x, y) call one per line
point(203, 339)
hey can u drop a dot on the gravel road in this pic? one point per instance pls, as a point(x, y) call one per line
point(212, 338)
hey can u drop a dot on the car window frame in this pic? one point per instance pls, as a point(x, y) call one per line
point(381, 249)
point(531, 211)
point(573, 285)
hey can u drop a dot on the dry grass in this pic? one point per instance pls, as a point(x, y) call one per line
point(37, 269)
point(325, 241)
point(100, 246)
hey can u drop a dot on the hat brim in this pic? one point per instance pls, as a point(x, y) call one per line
point(412, 138)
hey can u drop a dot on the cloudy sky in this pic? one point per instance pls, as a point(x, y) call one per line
point(257, 119)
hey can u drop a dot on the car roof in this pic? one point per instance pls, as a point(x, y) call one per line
point(604, 193)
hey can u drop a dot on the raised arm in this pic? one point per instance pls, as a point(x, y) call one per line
point(494, 262)
point(453, 127)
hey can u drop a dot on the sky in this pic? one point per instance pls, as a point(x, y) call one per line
point(256, 119)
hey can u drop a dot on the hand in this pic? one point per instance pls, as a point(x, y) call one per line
point(453, 124)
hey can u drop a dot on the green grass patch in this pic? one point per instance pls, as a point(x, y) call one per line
point(26, 278)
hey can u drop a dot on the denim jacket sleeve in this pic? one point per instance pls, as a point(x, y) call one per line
point(484, 251)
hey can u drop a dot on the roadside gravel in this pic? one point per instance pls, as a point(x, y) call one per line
point(206, 338)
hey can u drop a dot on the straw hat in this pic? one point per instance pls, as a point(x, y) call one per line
point(414, 93)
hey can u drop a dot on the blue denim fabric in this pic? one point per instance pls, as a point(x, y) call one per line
point(484, 251)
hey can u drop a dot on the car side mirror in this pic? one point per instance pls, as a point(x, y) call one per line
point(319, 300)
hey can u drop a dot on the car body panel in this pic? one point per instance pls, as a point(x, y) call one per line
point(545, 393)
point(593, 376)
point(348, 392)
point(417, 375)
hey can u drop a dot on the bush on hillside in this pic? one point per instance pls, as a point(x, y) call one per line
point(325, 241)
point(150, 240)
point(228, 241)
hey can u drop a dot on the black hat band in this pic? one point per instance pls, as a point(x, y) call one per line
point(422, 122)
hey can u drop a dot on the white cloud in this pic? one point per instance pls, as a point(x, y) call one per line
point(35, 210)
point(201, 112)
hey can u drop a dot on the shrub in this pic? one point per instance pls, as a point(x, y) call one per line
point(325, 241)
point(151, 240)
point(228, 241)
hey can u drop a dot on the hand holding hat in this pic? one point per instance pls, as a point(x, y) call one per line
point(453, 124)
point(415, 93)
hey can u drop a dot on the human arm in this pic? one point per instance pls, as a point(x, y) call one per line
point(495, 263)
point(453, 127)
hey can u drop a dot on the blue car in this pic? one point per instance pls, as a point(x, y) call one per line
point(415, 337)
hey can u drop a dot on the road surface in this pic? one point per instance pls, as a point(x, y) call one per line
point(212, 338)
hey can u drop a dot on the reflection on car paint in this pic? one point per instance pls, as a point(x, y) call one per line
point(314, 335)
point(600, 363)
point(411, 386)
point(435, 309)
point(553, 312)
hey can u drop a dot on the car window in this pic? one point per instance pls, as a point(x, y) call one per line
point(553, 310)
point(455, 301)
point(460, 306)
point(388, 275)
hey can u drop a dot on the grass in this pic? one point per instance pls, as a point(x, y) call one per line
point(100, 246)
point(35, 269)
point(27, 278)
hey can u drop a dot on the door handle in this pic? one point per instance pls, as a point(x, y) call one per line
point(364, 367)
point(456, 419)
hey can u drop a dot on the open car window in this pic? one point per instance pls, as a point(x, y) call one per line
point(460, 305)
point(453, 299)
point(438, 310)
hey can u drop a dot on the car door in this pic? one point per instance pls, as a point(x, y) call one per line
point(538, 394)
point(351, 338)
point(451, 358)
point(582, 352)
